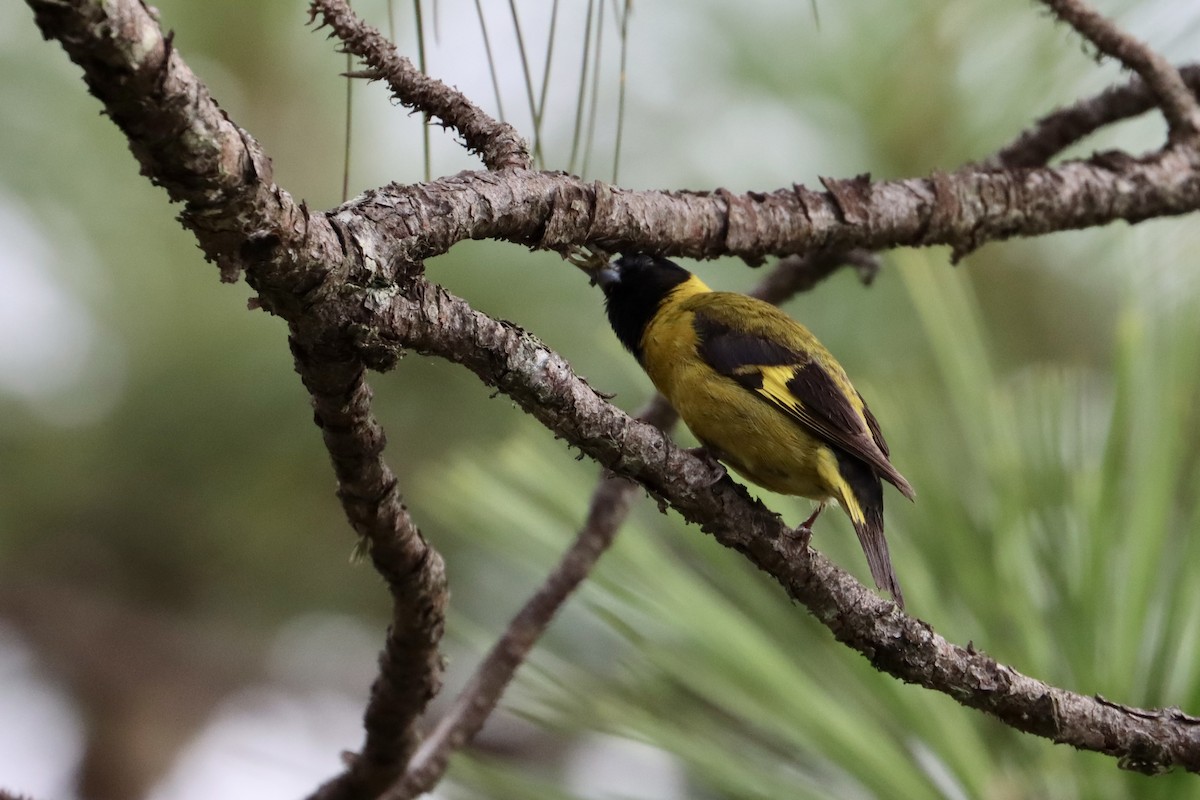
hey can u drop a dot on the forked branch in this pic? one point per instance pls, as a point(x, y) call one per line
point(351, 285)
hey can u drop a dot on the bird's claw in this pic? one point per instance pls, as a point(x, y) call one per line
point(802, 535)
point(716, 469)
point(588, 258)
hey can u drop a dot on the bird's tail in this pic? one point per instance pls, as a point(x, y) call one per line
point(874, 544)
point(865, 506)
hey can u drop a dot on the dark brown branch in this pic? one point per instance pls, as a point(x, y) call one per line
point(515, 362)
point(352, 281)
point(796, 274)
point(478, 699)
point(1177, 102)
point(240, 217)
point(410, 667)
point(963, 209)
point(1060, 129)
point(497, 143)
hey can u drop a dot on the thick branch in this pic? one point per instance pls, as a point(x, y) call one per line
point(963, 209)
point(514, 361)
point(1177, 102)
point(240, 217)
point(187, 144)
point(497, 143)
point(181, 138)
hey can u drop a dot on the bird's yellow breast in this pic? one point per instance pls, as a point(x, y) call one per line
point(750, 435)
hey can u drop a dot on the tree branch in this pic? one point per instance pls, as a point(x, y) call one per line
point(240, 217)
point(1060, 129)
point(434, 321)
point(497, 143)
point(964, 209)
point(410, 667)
point(474, 705)
point(1177, 102)
point(351, 281)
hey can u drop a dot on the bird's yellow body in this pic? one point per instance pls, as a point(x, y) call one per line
point(759, 391)
point(755, 439)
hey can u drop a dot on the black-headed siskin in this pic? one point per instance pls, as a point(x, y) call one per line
point(759, 392)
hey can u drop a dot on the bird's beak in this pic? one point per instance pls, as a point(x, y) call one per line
point(607, 277)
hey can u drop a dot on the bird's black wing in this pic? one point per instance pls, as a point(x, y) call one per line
point(798, 386)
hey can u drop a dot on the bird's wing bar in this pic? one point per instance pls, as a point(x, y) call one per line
point(797, 386)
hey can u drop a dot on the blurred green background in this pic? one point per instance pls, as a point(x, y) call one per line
point(179, 616)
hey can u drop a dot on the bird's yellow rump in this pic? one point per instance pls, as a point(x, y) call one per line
point(759, 392)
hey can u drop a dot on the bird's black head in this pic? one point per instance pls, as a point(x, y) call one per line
point(634, 287)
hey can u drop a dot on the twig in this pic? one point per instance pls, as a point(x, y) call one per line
point(1177, 102)
point(497, 143)
point(410, 667)
point(1060, 129)
point(796, 274)
point(607, 510)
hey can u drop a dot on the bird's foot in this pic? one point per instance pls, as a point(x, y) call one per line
point(716, 469)
point(802, 536)
point(808, 523)
point(793, 544)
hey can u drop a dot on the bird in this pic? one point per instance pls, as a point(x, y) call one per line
point(759, 392)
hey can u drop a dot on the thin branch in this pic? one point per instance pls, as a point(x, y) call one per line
point(1060, 129)
point(487, 49)
point(478, 699)
point(497, 143)
point(607, 511)
point(1177, 102)
point(410, 667)
point(796, 274)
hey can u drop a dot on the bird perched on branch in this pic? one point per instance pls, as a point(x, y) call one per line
point(759, 392)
